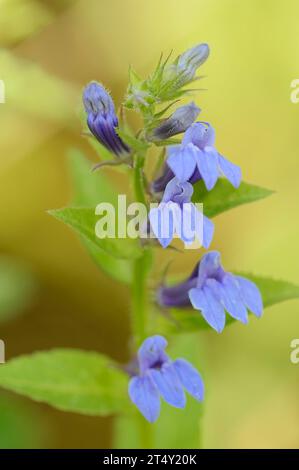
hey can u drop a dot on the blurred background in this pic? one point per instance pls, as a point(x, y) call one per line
point(53, 295)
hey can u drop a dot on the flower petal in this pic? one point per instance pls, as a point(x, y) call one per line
point(212, 311)
point(207, 164)
point(191, 224)
point(181, 161)
point(145, 396)
point(190, 378)
point(250, 295)
point(208, 232)
point(162, 223)
point(229, 297)
point(168, 383)
point(209, 266)
point(177, 192)
point(230, 170)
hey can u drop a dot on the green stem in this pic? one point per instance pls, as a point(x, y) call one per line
point(146, 435)
point(140, 294)
point(140, 265)
point(139, 299)
point(139, 179)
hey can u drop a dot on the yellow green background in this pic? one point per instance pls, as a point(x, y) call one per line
point(49, 50)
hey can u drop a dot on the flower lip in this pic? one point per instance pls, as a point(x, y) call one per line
point(177, 192)
point(200, 134)
point(152, 352)
point(210, 267)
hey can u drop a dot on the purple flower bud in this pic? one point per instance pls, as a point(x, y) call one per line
point(193, 58)
point(101, 118)
point(184, 69)
point(177, 123)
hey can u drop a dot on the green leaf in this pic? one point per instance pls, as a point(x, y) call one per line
point(90, 189)
point(136, 144)
point(273, 291)
point(68, 379)
point(134, 78)
point(224, 196)
point(83, 220)
point(17, 287)
point(162, 143)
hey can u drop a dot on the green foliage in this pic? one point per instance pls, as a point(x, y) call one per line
point(224, 196)
point(83, 220)
point(137, 145)
point(272, 291)
point(68, 379)
point(89, 190)
point(164, 84)
point(138, 94)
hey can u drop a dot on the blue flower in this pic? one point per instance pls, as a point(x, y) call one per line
point(101, 118)
point(176, 214)
point(197, 158)
point(160, 183)
point(213, 291)
point(177, 123)
point(159, 376)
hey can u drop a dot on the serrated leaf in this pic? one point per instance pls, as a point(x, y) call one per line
point(90, 189)
point(83, 220)
point(224, 196)
point(68, 379)
point(273, 291)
